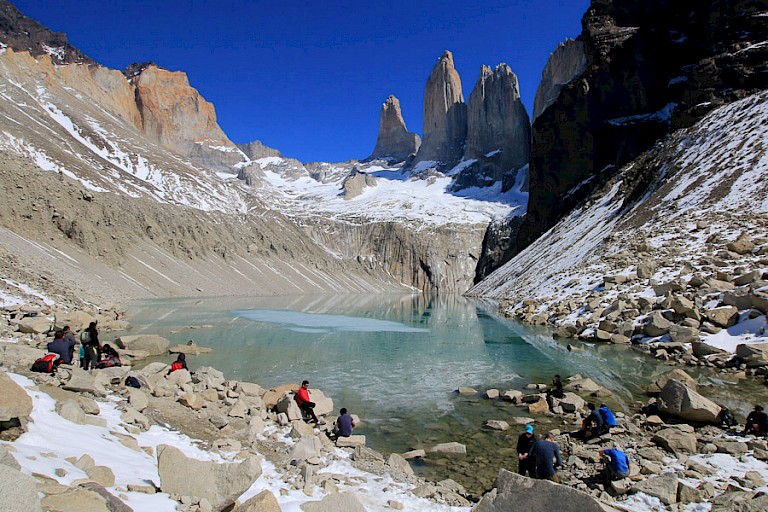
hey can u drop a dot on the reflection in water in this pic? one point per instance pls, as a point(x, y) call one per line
point(394, 360)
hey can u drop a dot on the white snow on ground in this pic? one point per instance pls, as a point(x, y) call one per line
point(50, 440)
point(27, 291)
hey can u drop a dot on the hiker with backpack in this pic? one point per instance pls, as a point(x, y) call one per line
point(62, 347)
point(179, 364)
point(90, 340)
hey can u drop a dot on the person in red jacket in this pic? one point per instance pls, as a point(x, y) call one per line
point(305, 404)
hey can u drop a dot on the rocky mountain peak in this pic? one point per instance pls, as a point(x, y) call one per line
point(23, 34)
point(135, 69)
point(445, 115)
point(394, 141)
point(498, 127)
point(651, 68)
point(175, 115)
point(565, 63)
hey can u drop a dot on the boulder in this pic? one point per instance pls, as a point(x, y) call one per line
point(83, 382)
point(452, 448)
point(663, 487)
point(15, 403)
point(675, 440)
point(571, 402)
point(701, 349)
point(102, 475)
point(79, 499)
point(138, 399)
point(306, 448)
point(539, 407)
point(249, 389)
point(134, 417)
point(6, 459)
point(676, 399)
point(351, 441)
point(676, 374)
point(18, 492)
point(113, 503)
point(414, 454)
point(288, 405)
point(399, 463)
point(71, 410)
point(274, 394)
point(724, 316)
point(754, 354)
point(584, 385)
point(153, 344)
point(179, 377)
point(345, 501)
point(220, 484)
point(34, 325)
point(265, 501)
point(497, 424)
point(683, 334)
point(513, 395)
point(192, 400)
point(516, 492)
point(323, 404)
point(656, 324)
point(742, 245)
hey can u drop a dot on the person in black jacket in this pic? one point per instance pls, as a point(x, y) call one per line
point(757, 422)
point(91, 346)
point(524, 444)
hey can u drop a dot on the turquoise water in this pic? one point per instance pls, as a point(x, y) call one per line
point(395, 361)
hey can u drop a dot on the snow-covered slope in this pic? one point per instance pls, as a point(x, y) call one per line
point(667, 217)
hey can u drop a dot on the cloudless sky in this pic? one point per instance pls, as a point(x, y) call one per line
point(309, 78)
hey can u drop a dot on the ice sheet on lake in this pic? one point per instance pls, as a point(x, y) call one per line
point(316, 322)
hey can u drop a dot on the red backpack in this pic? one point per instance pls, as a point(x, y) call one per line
point(176, 365)
point(46, 364)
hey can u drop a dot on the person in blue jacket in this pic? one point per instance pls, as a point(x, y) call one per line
point(546, 458)
point(616, 463)
point(609, 420)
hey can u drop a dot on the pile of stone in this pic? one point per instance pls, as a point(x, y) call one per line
point(665, 449)
point(225, 415)
point(726, 286)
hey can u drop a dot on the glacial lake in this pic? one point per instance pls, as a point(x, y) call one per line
point(397, 361)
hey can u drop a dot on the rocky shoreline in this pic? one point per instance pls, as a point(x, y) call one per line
point(678, 460)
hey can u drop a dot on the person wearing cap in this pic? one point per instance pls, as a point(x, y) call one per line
point(524, 444)
point(616, 463)
point(757, 422)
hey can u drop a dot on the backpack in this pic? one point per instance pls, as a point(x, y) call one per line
point(85, 336)
point(176, 366)
point(132, 382)
point(46, 364)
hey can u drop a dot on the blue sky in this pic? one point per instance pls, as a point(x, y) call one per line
point(309, 78)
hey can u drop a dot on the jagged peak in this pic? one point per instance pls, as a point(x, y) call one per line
point(135, 69)
point(24, 34)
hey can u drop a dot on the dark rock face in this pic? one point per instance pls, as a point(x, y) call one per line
point(394, 142)
point(498, 128)
point(445, 116)
point(652, 67)
point(564, 64)
point(23, 34)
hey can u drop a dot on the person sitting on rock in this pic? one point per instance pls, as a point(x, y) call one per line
point(305, 404)
point(609, 420)
point(344, 424)
point(545, 455)
point(179, 364)
point(524, 444)
point(108, 357)
point(616, 463)
point(62, 347)
point(757, 422)
point(557, 388)
point(592, 425)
